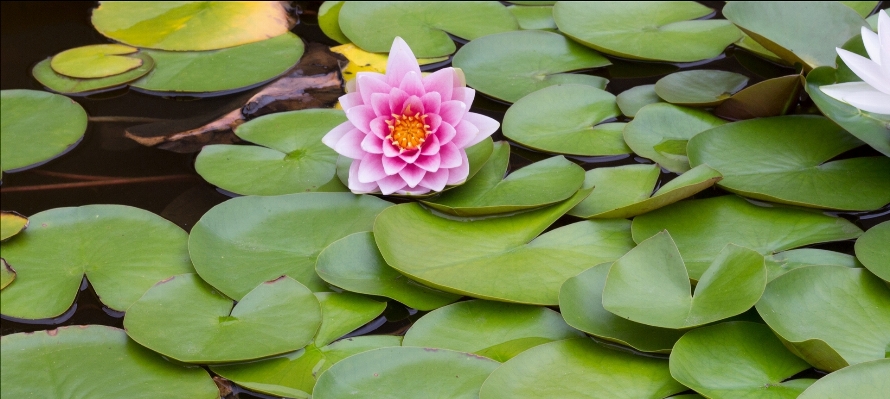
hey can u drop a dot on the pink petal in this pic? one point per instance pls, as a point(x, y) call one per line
point(442, 82)
point(397, 98)
point(435, 180)
point(449, 156)
point(350, 145)
point(369, 83)
point(412, 175)
point(390, 149)
point(372, 144)
point(370, 169)
point(464, 95)
point(412, 106)
point(452, 111)
point(486, 126)
point(410, 156)
point(380, 103)
point(445, 133)
point(466, 133)
point(412, 84)
point(429, 163)
point(350, 100)
point(337, 133)
point(434, 120)
point(393, 165)
point(459, 174)
point(430, 146)
point(379, 126)
point(431, 102)
point(391, 184)
point(361, 116)
point(358, 187)
point(401, 61)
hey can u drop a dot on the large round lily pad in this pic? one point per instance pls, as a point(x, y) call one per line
point(624, 191)
point(343, 312)
point(448, 254)
point(511, 65)
point(403, 372)
point(292, 158)
point(658, 31)
point(187, 320)
point(700, 87)
point(581, 304)
point(784, 159)
point(784, 262)
point(488, 192)
point(184, 26)
point(580, 369)
point(563, 119)
point(425, 25)
point(37, 126)
point(95, 61)
point(123, 251)
point(831, 316)
point(863, 380)
point(354, 263)
point(701, 228)
point(737, 360)
point(495, 330)
point(873, 252)
point(245, 241)
point(660, 132)
point(54, 81)
point(294, 375)
point(11, 223)
point(221, 71)
point(93, 362)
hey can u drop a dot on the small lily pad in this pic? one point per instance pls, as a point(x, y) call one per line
point(221, 71)
point(185, 319)
point(95, 61)
point(7, 274)
point(701, 228)
point(873, 252)
point(737, 359)
point(354, 263)
point(772, 97)
point(830, 316)
point(342, 313)
point(94, 362)
point(581, 304)
point(660, 132)
point(37, 126)
point(11, 223)
point(784, 159)
point(425, 25)
point(44, 74)
point(863, 380)
point(631, 100)
point(186, 26)
point(700, 87)
point(655, 31)
point(579, 369)
point(292, 158)
point(445, 253)
point(123, 251)
point(511, 65)
point(329, 21)
point(247, 240)
point(485, 327)
point(539, 184)
point(564, 119)
point(534, 17)
point(624, 191)
point(402, 372)
point(784, 262)
point(294, 375)
point(650, 285)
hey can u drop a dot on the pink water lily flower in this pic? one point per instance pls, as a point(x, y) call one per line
point(407, 133)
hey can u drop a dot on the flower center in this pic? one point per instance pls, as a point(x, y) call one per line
point(408, 131)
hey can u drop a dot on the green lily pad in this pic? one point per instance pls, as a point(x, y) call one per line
point(95, 61)
point(701, 228)
point(11, 223)
point(425, 25)
point(402, 372)
point(784, 262)
point(579, 369)
point(294, 375)
point(700, 87)
point(632, 100)
point(123, 251)
point(293, 159)
point(37, 126)
point(185, 319)
point(872, 250)
point(751, 45)
point(342, 313)
point(7, 274)
point(186, 26)
point(511, 65)
point(873, 129)
point(481, 327)
point(533, 17)
point(329, 21)
point(783, 159)
point(448, 253)
point(650, 285)
point(581, 304)
point(772, 97)
point(737, 360)
point(777, 26)
point(660, 132)
point(44, 74)
point(563, 119)
point(863, 380)
point(93, 362)
point(828, 315)
point(247, 240)
point(863, 8)
point(221, 71)
point(624, 191)
point(539, 184)
point(656, 31)
point(354, 263)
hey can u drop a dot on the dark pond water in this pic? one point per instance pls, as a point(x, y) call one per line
point(166, 183)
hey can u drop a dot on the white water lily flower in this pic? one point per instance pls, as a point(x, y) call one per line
point(873, 93)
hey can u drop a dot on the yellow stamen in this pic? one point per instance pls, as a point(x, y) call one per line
point(408, 131)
